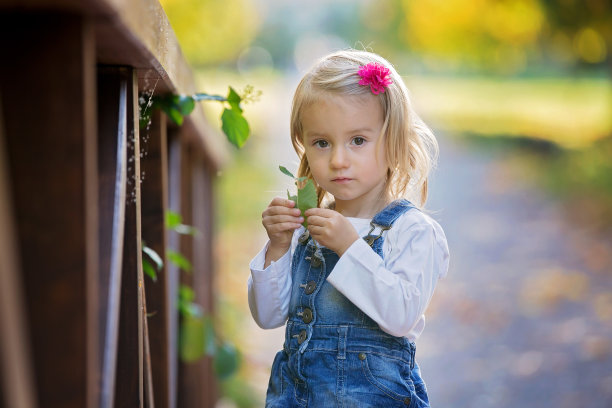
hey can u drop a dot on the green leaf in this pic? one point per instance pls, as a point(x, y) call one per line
point(170, 105)
point(235, 127)
point(148, 269)
point(226, 360)
point(173, 219)
point(234, 100)
point(185, 104)
point(291, 197)
point(159, 263)
point(284, 170)
point(186, 294)
point(173, 114)
point(185, 298)
point(192, 335)
point(179, 260)
point(307, 198)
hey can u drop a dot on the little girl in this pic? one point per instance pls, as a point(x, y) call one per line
point(352, 286)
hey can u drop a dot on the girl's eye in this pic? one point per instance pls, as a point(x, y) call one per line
point(358, 140)
point(321, 143)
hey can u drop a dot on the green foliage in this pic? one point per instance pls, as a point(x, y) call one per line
point(197, 335)
point(179, 260)
point(174, 221)
point(148, 268)
point(234, 125)
point(226, 360)
point(211, 31)
point(240, 392)
point(306, 195)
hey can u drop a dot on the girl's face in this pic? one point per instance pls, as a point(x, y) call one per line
point(341, 136)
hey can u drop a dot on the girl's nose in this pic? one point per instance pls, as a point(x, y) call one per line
point(338, 158)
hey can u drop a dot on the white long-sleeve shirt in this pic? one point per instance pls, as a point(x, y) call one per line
point(393, 292)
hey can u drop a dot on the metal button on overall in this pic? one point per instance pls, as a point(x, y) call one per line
point(315, 261)
point(310, 287)
point(407, 401)
point(362, 356)
point(304, 237)
point(307, 315)
point(302, 337)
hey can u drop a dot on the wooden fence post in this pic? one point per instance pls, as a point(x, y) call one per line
point(161, 302)
point(49, 105)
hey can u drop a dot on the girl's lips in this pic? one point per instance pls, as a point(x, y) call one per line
point(341, 180)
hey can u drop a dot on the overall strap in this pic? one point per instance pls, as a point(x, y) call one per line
point(384, 220)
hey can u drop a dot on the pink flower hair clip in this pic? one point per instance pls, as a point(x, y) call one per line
point(375, 75)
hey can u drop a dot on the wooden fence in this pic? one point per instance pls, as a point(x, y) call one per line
point(81, 187)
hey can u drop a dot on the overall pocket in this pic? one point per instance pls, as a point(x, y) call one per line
point(387, 376)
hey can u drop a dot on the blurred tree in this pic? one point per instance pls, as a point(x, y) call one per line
point(499, 35)
point(493, 35)
point(211, 31)
point(579, 31)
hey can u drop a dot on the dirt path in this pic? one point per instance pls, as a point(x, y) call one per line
point(525, 315)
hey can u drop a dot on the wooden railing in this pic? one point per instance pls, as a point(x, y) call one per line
point(80, 325)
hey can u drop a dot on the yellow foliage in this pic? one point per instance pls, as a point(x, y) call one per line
point(211, 31)
point(490, 32)
point(590, 45)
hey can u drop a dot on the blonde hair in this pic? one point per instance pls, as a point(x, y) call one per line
point(411, 147)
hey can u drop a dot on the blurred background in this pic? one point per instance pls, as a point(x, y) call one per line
point(519, 94)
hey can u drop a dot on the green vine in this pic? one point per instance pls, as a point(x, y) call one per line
point(233, 123)
point(197, 336)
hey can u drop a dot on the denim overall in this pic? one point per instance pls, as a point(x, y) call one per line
point(334, 355)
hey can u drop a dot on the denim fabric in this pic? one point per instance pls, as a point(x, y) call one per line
point(334, 355)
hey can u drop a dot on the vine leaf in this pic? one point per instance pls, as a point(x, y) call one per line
point(235, 126)
point(284, 170)
point(307, 193)
point(192, 334)
point(149, 270)
point(147, 267)
point(307, 198)
point(291, 197)
point(226, 360)
point(179, 260)
point(234, 100)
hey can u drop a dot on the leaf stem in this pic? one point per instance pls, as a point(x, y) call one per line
point(206, 97)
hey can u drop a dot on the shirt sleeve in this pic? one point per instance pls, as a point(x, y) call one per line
point(269, 289)
point(394, 292)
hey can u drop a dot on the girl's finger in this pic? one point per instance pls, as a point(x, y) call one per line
point(278, 219)
point(281, 210)
point(315, 220)
point(280, 201)
point(283, 226)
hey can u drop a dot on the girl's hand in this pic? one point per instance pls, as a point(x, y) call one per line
point(280, 219)
point(331, 229)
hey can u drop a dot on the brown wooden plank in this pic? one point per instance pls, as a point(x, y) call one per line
point(112, 169)
point(196, 382)
point(129, 375)
point(175, 158)
point(160, 302)
point(202, 249)
point(16, 385)
point(51, 138)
